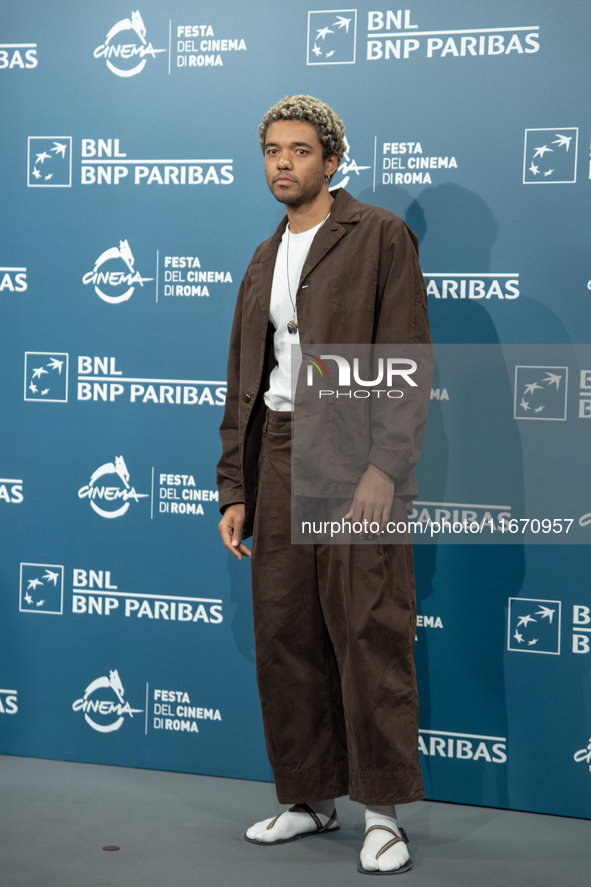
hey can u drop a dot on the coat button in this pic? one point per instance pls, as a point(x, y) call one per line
point(247, 398)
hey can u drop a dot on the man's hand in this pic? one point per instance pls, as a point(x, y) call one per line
point(372, 500)
point(230, 528)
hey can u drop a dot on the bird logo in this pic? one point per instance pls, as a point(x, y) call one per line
point(41, 588)
point(540, 393)
point(534, 626)
point(331, 37)
point(550, 156)
point(38, 365)
point(50, 162)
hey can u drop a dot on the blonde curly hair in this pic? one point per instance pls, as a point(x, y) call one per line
point(330, 129)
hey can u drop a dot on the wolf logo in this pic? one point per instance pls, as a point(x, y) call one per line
point(119, 467)
point(136, 24)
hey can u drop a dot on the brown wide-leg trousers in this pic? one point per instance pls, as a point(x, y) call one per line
point(334, 637)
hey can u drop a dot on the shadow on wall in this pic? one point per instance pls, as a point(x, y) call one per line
point(457, 232)
point(460, 671)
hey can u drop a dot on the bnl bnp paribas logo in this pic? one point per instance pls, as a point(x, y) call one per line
point(540, 393)
point(126, 50)
point(46, 376)
point(114, 499)
point(42, 588)
point(550, 156)
point(534, 626)
point(49, 162)
point(396, 35)
point(104, 705)
point(332, 36)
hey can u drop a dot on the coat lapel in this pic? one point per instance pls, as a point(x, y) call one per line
point(262, 273)
point(345, 210)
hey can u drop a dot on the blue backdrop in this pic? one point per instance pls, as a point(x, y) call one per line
point(133, 196)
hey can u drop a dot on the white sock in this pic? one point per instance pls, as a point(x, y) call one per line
point(292, 822)
point(392, 859)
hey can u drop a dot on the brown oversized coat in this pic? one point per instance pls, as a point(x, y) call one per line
point(361, 284)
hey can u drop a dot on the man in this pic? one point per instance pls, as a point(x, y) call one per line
point(334, 624)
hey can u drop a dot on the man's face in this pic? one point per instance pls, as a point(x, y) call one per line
point(294, 166)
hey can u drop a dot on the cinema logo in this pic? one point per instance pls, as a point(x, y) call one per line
point(100, 380)
point(584, 754)
point(109, 496)
point(388, 370)
point(95, 594)
point(114, 277)
point(463, 746)
point(442, 285)
point(182, 715)
point(103, 698)
point(122, 58)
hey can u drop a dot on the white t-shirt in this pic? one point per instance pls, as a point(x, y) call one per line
point(281, 311)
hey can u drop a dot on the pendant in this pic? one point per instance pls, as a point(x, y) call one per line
point(292, 327)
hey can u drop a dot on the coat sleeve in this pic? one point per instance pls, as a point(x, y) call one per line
point(229, 468)
point(397, 426)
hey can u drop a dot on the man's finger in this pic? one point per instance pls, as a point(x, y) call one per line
point(230, 533)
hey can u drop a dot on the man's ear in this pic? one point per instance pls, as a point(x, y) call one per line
point(331, 164)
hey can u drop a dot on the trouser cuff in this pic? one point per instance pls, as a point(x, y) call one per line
point(380, 788)
point(312, 784)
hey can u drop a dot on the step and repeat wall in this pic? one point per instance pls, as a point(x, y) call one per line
point(133, 195)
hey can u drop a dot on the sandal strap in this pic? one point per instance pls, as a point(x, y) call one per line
point(395, 840)
point(387, 846)
point(307, 809)
point(330, 821)
point(273, 821)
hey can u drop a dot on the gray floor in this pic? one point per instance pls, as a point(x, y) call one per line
point(177, 830)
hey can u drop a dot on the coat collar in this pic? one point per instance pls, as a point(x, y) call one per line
point(346, 210)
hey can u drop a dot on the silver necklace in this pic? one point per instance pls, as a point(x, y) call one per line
point(292, 326)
